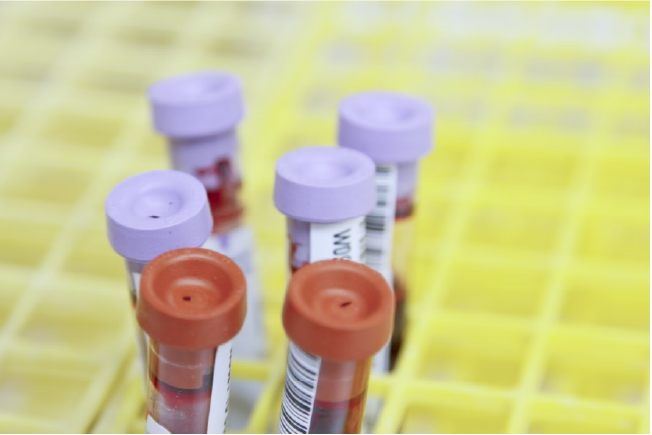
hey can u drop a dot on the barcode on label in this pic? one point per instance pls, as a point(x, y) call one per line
point(300, 391)
point(380, 222)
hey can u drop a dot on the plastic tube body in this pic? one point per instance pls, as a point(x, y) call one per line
point(213, 159)
point(134, 270)
point(322, 395)
point(389, 242)
point(187, 389)
point(341, 396)
point(403, 239)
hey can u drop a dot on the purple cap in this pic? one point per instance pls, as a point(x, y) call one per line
point(157, 211)
point(389, 127)
point(196, 104)
point(324, 184)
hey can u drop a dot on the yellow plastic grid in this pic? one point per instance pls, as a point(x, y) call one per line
point(530, 274)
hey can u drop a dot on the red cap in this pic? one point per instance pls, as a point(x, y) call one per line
point(339, 310)
point(192, 298)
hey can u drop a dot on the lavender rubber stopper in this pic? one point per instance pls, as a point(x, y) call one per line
point(324, 184)
point(389, 127)
point(157, 211)
point(196, 104)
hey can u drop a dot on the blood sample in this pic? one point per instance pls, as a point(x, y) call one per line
point(337, 315)
point(395, 130)
point(149, 214)
point(199, 113)
point(325, 192)
point(192, 304)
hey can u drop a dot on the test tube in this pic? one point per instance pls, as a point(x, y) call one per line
point(325, 193)
point(198, 113)
point(395, 130)
point(149, 214)
point(192, 303)
point(337, 315)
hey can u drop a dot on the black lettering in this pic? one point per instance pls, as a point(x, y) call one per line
point(342, 250)
point(342, 245)
point(342, 237)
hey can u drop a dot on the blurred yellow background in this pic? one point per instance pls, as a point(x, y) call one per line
point(530, 276)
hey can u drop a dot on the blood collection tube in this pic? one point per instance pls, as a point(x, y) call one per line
point(198, 113)
point(325, 192)
point(395, 130)
point(149, 214)
point(192, 304)
point(337, 315)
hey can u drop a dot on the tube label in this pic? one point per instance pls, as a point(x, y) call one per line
point(299, 392)
point(344, 240)
point(380, 222)
point(238, 245)
point(220, 390)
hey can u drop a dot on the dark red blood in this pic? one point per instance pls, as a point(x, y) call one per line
point(404, 208)
point(292, 254)
point(178, 397)
point(132, 295)
point(399, 320)
point(225, 205)
point(179, 410)
point(338, 417)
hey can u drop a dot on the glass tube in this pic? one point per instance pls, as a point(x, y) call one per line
point(402, 247)
point(341, 396)
point(214, 161)
point(179, 390)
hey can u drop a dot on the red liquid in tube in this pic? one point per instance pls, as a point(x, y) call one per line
point(341, 396)
point(402, 245)
point(179, 394)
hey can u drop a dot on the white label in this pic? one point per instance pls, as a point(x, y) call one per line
point(299, 392)
point(380, 222)
point(238, 245)
point(220, 392)
point(152, 426)
point(345, 240)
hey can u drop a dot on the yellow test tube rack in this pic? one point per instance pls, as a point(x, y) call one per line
point(530, 275)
